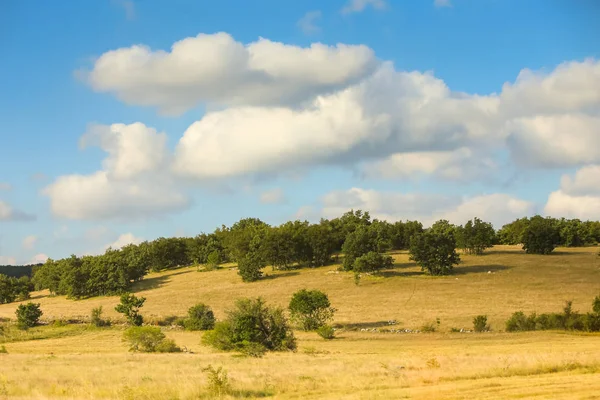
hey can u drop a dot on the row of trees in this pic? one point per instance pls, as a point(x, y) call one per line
point(253, 244)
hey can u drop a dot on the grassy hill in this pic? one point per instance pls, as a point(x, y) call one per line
point(77, 362)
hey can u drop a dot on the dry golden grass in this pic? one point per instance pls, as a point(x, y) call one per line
point(94, 363)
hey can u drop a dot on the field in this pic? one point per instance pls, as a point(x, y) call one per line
point(78, 362)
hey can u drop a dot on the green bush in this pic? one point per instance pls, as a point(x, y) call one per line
point(3, 350)
point(596, 305)
point(200, 318)
point(130, 307)
point(520, 322)
point(326, 332)
point(310, 309)
point(252, 322)
point(148, 339)
point(96, 318)
point(28, 315)
point(480, 323)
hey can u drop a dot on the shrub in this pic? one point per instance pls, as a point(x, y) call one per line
point(250, 269)
point(311, 309)
point(218, 382)
point(96, 317)
point(372, 262)
point(480, 323)
point(213, 260)
point(252, 322)
point(3, 350)
point(200, 318)
point(148, 339)
point(252, 349)
point(130, 306)
point(326, 332)
point(28, 315)
point(520, 322)
point(596, 305)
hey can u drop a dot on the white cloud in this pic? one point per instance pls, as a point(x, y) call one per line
point(585, 182)
point(124, 240)
point(132, 149)
point(38, 258)
point(8, 260)
point(427, 208)
point(355, 6)
point(7, 213)
point(134, 183)
point(556, 140)
point(389, 112)
point(308, 23)
point(274, 196)
point(442, 3)
point(5, 186)
point(217, 69)
point(29, 242)
point(462, 164)
point(97, 197)
point(578, 196)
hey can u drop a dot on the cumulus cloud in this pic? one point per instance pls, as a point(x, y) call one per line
point(7, 213)
point(463, 164)
point(578, 196)
point(124, 240)
point(387, 113)
point(216, 69)
point(392, 206)
point(308, 23)
point(356, 6)
point(29, 242)
point(274, 196)
point(134, 183)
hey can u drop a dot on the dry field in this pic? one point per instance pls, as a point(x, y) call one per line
point(77, 362)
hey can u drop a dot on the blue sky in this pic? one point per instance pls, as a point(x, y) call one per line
point(408, 109)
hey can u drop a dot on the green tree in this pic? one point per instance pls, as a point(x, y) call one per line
point(512, 233)
point(475, 236)
point(130, 307)
point(251, 265)
point(371, 262)
point(361, 241)
point(435, 251)
point(311, 309)
point(540, 236)
point(28, 315)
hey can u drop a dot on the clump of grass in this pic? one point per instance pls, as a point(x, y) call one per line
point(433, 363)
point(3, 350)
point(218, 381)
point(431, 326)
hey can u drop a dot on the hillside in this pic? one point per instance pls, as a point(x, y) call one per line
point(502, 281)
point(358, 364)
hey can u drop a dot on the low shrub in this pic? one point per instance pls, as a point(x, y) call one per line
point(519, 322)
point(480, 324)
point(149, 339)
point(28, 315)
point(130, 307)
point(431, 327)
point(3, 350)
point(252, 322)
point(326, 332)
point(200, 318)
point(96, 318)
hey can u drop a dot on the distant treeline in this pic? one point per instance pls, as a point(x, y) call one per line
point(18, 271)
point(253, 245)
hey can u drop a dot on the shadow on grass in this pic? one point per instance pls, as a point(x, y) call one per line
point(362, 325)
point(280, 275)
point(478, 269)
point(155, 282)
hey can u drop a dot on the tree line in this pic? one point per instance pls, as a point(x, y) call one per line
point(253, 244)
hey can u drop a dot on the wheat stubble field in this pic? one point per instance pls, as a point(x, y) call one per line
point(79, 362)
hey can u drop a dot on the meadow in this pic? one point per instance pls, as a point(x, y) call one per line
point(365, 361)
